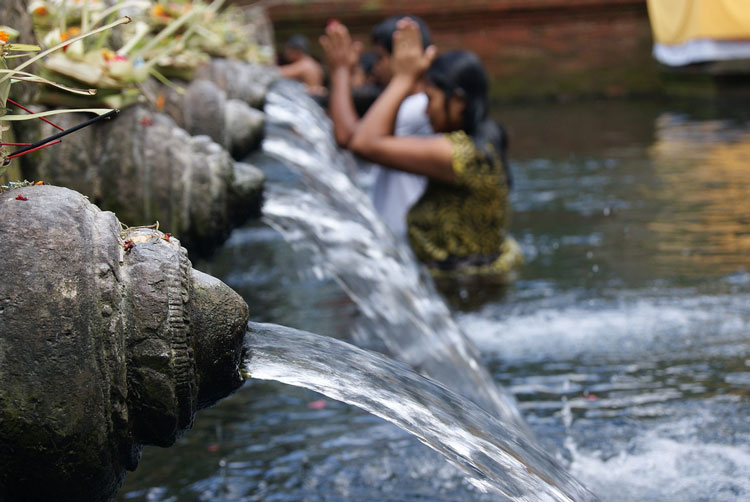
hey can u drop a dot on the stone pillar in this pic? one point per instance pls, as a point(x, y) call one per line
point(108, 341)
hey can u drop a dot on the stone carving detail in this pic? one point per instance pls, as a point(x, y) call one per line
point(109, 340)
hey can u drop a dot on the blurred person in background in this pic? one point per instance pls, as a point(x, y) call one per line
point(365, 88)
point(393, 192)
point(298, 64)
point(459, 225)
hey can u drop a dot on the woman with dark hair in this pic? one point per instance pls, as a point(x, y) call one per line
point(460, 222)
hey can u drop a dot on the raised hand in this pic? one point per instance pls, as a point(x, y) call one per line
point(408, 56)
point(338, 46)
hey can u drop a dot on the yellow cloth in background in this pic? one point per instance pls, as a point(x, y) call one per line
point(677, 21)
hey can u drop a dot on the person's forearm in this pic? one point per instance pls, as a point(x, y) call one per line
point(380, 119)
point(341, 106)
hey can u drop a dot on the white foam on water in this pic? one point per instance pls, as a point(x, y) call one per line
point(616, 328)
point(657, 467)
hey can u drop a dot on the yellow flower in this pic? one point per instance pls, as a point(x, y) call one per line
point(158, 11)
point(108, 55)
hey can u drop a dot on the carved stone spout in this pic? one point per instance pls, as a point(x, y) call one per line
point(246, 82)
point(145, 168)
point(109, 340)
point(203, 109)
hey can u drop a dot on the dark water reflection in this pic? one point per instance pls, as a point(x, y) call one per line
point(625, 337)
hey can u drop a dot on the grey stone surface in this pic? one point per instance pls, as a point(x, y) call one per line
point(244, 126)
point(108, 341)
point(247, 184)
point(246, 82)
point(203, 109)
point(213, 312)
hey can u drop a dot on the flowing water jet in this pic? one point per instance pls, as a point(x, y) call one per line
point(641, 366)
point(494, 455)
point(333, 218)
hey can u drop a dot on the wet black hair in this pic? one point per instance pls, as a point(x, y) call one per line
point(460, 73)
point(382, 34)
point(299, 42)
point(367, 61)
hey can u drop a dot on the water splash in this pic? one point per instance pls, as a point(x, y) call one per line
point(624, 329)
point(494, 455)
point(682, 467)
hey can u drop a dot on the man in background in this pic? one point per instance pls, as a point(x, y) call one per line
point(300, 65)
point(393, 192)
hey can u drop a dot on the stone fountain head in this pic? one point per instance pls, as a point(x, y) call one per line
point(109, 341)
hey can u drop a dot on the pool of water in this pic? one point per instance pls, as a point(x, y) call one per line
point(624, 338)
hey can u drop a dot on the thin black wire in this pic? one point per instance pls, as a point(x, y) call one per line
point(59, 135)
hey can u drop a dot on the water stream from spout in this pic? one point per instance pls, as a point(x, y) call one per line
point(334, 221)
point(494, 455)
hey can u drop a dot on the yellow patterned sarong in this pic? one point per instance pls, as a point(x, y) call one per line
point(461, 228)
